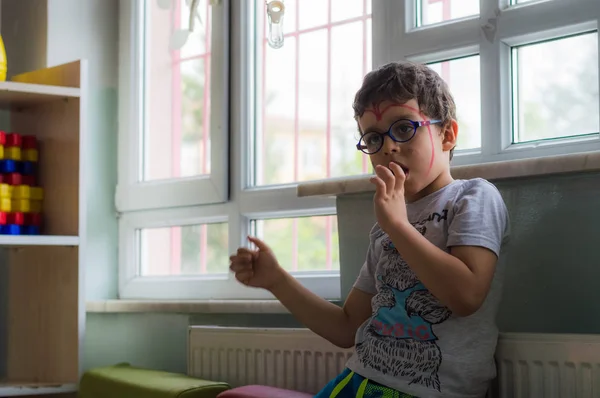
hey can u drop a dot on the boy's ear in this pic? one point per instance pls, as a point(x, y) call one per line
point(450, 135)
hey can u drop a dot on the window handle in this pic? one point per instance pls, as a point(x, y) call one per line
point(275, 11)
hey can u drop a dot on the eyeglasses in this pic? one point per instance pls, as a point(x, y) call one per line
point(402, 130)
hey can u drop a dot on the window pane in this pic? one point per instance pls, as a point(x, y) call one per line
point(462, 76)
point(311, 13)
point(187, 250)
point(305, 122)
point(176, 139)
point(302, 243)
point(435, 11)
point(344, 9)
point(555, 86)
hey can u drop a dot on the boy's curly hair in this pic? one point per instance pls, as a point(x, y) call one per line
point(403, 81)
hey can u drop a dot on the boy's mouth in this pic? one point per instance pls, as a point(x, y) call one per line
point(403, 167)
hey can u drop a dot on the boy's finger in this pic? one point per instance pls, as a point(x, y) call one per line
point(244, 257)
point(399, 176)
point(244, 276)
point(239, 267)
point(262, 246)
point(245, 250)
point(387, 177)
point(241, 260)
point(379, 185)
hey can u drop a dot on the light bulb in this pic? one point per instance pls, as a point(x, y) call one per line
point(275, 11)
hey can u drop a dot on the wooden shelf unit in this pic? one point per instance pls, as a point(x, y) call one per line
point(42, 304)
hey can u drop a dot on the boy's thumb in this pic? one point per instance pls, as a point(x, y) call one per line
point(262, 246)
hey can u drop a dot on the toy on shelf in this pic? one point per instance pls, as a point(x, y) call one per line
point(20, 196)
point(3, 61)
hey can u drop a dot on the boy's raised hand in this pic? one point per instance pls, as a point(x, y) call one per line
point(390, 205)
point(256, 268)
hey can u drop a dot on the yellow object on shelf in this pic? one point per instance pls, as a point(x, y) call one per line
point(37, 193)
point(3, 61)
point(30, 155)
point(21, 205)
point(12, 152)
point(5, 191)
point(26, 192)
point(5, 204)
point(26, 205)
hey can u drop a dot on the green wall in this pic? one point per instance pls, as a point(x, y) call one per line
point(158, 341)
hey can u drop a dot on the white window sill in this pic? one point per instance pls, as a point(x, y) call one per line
point(187, 307)
point(580, 162)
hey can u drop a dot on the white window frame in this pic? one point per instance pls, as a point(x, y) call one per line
point(132, 194)
point(491, 34)
point(196, 201)
point(244, 204)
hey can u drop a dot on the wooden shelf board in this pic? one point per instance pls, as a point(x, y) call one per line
point(38, 240)
point(15, 389)
point(14, 94)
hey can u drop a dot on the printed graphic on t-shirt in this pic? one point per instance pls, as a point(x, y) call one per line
point(399, 340)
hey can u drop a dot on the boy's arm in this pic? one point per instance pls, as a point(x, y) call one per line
point(334, 323)
point(460, 279)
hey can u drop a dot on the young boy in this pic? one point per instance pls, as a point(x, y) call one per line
point(421, 314)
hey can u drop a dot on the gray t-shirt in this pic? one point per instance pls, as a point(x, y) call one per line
point(412, 342)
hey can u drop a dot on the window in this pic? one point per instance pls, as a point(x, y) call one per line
point(291, 121)
point(215, 135)
point(173, 143)
point(524, 77)
point(305, 91)
point(555, 96)
point(436, 11)
point(200, 249)
point(462, 76)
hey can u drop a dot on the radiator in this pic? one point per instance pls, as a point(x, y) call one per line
point(529, 365)
point(296, 359)
point(548, 366)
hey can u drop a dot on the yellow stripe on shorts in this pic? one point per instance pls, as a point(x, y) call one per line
point(341, 386)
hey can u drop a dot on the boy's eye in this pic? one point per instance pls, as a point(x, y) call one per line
point(371, 139)
point(403, 130)
point(371, 142)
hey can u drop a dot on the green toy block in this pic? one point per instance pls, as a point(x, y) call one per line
point(126, 381)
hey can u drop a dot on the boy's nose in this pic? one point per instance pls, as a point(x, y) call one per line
point(390, 146)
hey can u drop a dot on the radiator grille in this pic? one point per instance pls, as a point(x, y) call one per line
point(529, 365)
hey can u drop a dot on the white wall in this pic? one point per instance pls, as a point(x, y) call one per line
point(79, 29)
point(23, 28)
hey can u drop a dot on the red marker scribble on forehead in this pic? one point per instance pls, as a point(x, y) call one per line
point(378, 112)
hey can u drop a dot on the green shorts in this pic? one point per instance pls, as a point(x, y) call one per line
point(351, 385)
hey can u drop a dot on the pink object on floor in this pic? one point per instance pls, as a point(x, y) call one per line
point(256, 391)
